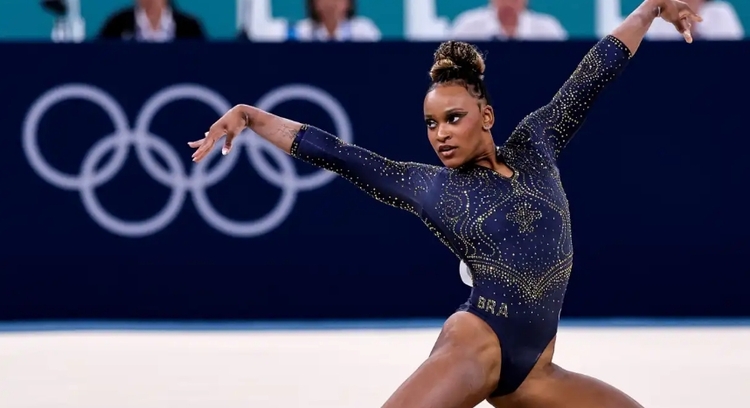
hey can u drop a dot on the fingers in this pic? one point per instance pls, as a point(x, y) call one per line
point(686, 19)
point(684, 28)
point(203, 151)
point(227, 144)
point(196, 144)
point(204, 146)
point(688, 13)
point(207, 144)
point(690, 17)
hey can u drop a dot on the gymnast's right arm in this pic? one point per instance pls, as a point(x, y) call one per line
point(399, 184)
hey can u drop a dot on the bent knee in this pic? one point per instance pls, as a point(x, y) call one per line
point(562, 388)
point(474, 372)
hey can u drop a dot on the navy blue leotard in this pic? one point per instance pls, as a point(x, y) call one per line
point(514, 233)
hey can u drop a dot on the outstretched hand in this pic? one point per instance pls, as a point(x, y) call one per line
point(681, 17)
point(230, 125)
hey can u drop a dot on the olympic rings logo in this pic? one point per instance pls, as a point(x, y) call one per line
point(93, 175)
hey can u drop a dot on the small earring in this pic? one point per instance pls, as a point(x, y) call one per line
point(486, 127)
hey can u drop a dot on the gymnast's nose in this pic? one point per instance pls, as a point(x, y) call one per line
point(443, 134)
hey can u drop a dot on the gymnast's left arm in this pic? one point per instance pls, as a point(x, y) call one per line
point(557, 122)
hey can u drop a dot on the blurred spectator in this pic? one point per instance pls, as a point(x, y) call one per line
point(506, 20)
point(720, 22)
point(334, 20)
point(68, 23)
point(152, 21)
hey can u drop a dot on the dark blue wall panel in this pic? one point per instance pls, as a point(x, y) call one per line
point(107, 218)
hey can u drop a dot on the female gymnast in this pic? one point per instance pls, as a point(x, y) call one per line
point(501, 209)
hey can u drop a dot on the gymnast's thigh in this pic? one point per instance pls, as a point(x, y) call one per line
point(560, 388)
point(461, 371)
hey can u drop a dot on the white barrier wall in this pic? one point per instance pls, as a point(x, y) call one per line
point(661, 367)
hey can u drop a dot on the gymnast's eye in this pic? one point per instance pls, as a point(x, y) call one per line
point(430, 123)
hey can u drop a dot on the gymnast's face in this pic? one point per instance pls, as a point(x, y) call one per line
point(458, 124)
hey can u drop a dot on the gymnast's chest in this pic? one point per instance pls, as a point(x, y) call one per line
point(486, 205)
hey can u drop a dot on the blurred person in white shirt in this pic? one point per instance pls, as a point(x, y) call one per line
point(334, 20)
point(153, 21)
point(507, 20)
point(720, 22)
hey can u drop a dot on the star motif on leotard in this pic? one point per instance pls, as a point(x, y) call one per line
point(524, 216)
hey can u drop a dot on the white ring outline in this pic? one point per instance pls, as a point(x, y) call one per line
point(175, 176)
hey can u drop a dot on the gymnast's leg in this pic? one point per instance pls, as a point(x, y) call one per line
point(559, 388)
point(461, 371)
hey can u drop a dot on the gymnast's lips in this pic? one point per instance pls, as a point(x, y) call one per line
point(446, 150)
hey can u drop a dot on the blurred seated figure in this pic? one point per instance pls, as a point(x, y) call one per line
point(68, 24)
point(720, 22)
point(157, 21)
point(506, 20)
point(334, 20)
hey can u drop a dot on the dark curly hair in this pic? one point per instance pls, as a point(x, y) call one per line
point(460, 63)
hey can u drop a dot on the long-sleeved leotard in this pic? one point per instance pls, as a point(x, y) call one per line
point(514, 233)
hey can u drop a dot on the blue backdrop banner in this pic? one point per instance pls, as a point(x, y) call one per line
point(105, 217)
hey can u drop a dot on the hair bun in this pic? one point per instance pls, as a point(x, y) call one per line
point(456, 60)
